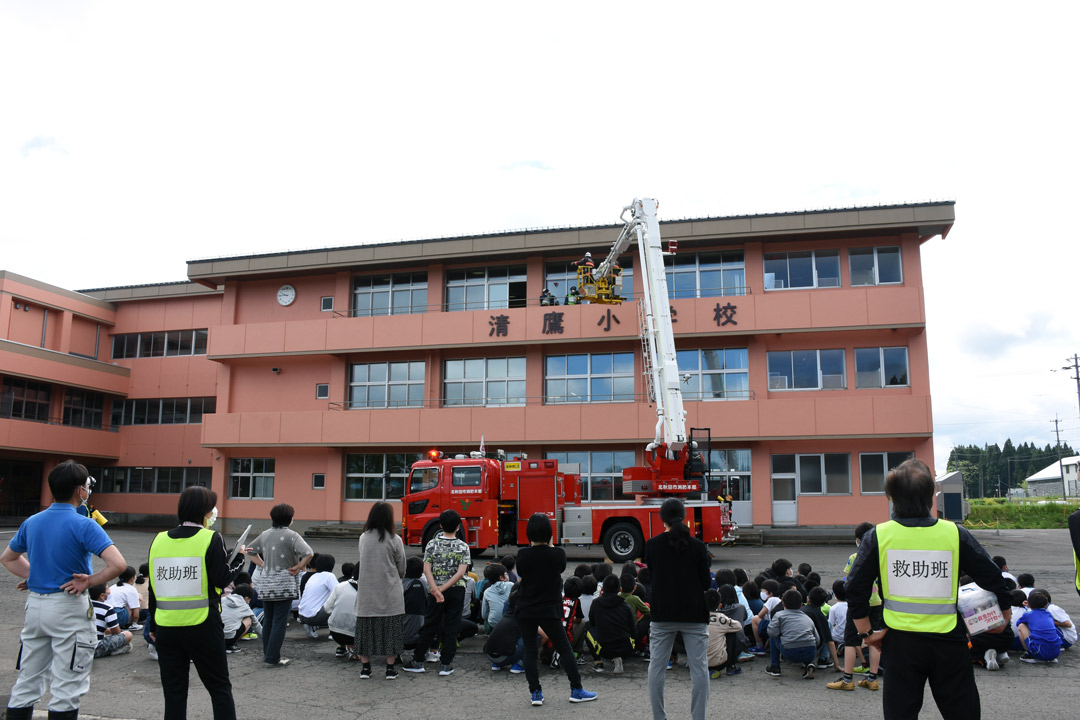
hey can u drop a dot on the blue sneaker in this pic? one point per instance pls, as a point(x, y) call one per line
point(516, 669)
point(495, 668)
point(537, 697)
point(581, 695)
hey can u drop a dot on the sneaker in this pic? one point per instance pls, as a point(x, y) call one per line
point(745, 657)
point(311, 631)
point(1051, 661)
point(861, 670)
point(432, 656)
point(581, 695)
point(391, 673)
point(757, 651)
point(773, 670)
point(446, 670)
point(808, 673)
point(734, 670)
point(598, 666)
point(825, 664)
point(1003, 658)
point(555, 661)
point(249, 636)
point(152, 649)
point(280, 663)
point(495, 668)
point(670, 664)
point(134, 627)
point(122, 650)
point(618, 666)
point(1028, 659)
point(230, 649)
point(516, 669)
point(991, 660)
point(582, 660)
point(340, 652)
point(715, 675)
point(365, 672)
point(840, 684)
point(868, 684)
point(412, 666)
point(537, 697)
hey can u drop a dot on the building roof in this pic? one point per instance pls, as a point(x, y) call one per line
point(926, 219)
point(1051, 471)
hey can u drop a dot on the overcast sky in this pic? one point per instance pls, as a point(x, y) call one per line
point(137, 136)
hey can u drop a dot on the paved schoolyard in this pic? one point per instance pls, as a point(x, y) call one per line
point(317, 685)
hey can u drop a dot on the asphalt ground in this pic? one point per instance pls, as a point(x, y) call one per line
point(317, 685)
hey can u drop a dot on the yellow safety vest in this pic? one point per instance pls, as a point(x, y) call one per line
point(919, 569)
point(1076, 561)
point(178, 577)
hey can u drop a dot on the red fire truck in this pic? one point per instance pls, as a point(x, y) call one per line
point(496, 497)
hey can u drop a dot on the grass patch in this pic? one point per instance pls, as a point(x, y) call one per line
point(998, 513)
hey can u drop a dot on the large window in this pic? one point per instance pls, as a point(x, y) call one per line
point(694, 275)
point(602, 377)
point(25, 400)
point(560, 276)
point(396, 294)
point(873, 467)
point(165, 411)
point(484, 381)
point(875, 266)
point(251, 478)
point(168, 480)
point(83, 408)
point(492, 288)
point(380, 385)
point(378, 476)
point(729, 475)
point(881, 367)
point(172, 343)
point(719, 374)
point(817, 474)
point(807, 370)
point(806, 269)
point(601, 471)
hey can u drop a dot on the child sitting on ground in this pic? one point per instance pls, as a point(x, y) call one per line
point(1065, 626)
point(496, 595)
point(1038, 634)
point(504, 647)
point(642, 612)
point(342, 608)
point(412, 587)
point(838, 615)
point(111, 639)
point(611, 627)
point(793, 637)
point(826, 656)
point(237, 617)
point(722, 650)
point(572, 617)
point(769, 595)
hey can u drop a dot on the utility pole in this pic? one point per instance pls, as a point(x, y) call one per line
point(1057, 432)
point(1075, 367)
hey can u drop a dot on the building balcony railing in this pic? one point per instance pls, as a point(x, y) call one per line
point(532, 401)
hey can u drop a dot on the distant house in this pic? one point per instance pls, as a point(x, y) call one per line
point(1048, 480)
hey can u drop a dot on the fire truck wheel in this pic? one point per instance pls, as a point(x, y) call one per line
point(623, 542)
point(431, 532)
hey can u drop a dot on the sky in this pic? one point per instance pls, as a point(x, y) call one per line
point(137, 136)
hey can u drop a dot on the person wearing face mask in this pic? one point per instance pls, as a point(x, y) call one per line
point(188, 568)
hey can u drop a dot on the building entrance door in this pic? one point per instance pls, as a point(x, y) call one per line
point(784, 501)
point(20, 488)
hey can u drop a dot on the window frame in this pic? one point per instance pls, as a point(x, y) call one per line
point(415, 283)
point(882, 384)
point(561, 275)
point(724, 264)
point(514, 278)
point(820, 376)
point(254, 477)
point(86, 405)
point(129, 346)
point(822, 469)
point(15, 393)
point(486, 382)
point(814, 266)
point(385, 476)
point(886, 467)
point(409, 383)
point(588, 475)
point(700, 374)
point(726, 464)
point(876, 265)
point(589, 378)
point(318, 481)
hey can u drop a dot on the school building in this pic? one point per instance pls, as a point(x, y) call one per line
point(316, 377)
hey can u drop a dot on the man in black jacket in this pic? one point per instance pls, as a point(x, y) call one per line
point(1074, 534)
point(611, 627)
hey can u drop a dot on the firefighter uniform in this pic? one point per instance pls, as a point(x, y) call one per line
point(187, 566)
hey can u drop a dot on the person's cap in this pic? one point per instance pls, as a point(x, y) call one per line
point(588, 254)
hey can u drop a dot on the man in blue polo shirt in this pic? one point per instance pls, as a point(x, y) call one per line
point(51, 552)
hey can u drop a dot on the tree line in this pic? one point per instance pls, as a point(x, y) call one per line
point(990, 470)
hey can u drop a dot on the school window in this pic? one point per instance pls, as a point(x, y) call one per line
point(720, 374)
point(322, 391)
point(806, 370)
point(715, 274)
point(25, 400)
point(318, 481)
point(251, 478)
point(377, 476)
point(386, 385)
point(817, 474)
point(493, 288)
point(599, 378)
point(601, 471)
point(83, 408)
point(875, 266)
point(805, 269)
point(161, 480)
point(326, 304)
point(172, 343)
point(881, 367)
point(162, 411)
point(561, 275)
point(394, 294)
point(873, 467)
point(484, 381)
point(729, 475)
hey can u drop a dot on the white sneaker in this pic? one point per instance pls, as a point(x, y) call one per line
point(1003, 657)
point(152, 649)
point(990, 657)
point(618, 666)
point(311, 631)
point(133, 627)
point(431, 656)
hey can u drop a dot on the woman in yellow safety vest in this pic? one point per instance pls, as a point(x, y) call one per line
point(918, 560)
point(188, 568)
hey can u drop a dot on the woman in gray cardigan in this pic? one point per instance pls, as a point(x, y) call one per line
point(380, 604)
